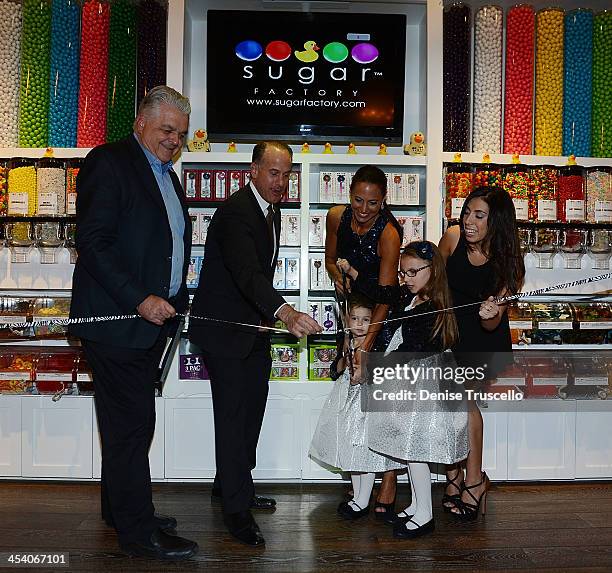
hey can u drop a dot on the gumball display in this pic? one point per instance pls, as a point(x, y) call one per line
point(35, 63)
point(487, 175)
point(152, 24)
point(488, 35)
point(518, 101)
point(517, 181)
point(93, 74)
point(121, 70)
point(456, 79)
point(599, 195)
point(10, 51)
point(64, 78)
point(577, 82)
point(601, 145)
point(549, 82)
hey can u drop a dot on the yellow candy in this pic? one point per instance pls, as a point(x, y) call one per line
point(549, 83)
point(23, 180)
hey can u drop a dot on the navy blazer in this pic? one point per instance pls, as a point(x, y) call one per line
point(236, 277)
point(124, 244)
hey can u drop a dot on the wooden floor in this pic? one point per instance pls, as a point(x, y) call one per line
point(534, 527)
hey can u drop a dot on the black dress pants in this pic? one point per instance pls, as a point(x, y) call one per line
point(124, 388)
point(239, 392)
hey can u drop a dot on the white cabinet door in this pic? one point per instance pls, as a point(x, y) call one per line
point(541, 440)
point(593, 444)
point(10, 436)
point(156, 452)
point(57, 437)
point(495, 443)
point(189, 438)
point(278, 451)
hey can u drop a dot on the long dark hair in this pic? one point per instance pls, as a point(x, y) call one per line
point(501, 243)
point(375, 176)
point(436, 290)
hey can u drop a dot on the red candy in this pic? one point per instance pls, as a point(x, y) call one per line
point(93, 74)
point(518, 110)
point(571, 188)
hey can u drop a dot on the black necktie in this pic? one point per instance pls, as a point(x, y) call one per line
point(270, 223)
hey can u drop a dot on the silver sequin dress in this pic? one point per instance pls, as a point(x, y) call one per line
point(421, 430)
point(340, 440)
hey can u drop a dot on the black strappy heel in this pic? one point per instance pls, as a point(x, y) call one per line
point(469, 511)
point(451, 499)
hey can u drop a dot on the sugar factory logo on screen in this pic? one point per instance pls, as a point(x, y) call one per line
point(336, 53)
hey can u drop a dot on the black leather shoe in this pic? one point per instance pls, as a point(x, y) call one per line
point(258, 502)
point(244, 528)
point(164, 522)
point(162, 546)
point(401, 517)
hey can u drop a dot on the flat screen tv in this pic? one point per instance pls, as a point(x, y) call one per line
point(305, 76)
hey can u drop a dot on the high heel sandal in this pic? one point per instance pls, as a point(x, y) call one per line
point(452, 499)
point(388, 507)
point(469, 511)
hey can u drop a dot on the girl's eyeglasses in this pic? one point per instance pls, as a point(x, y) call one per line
point(411, 272)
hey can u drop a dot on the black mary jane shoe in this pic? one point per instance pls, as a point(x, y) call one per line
point(348, 512)
point(402, 532)
point(401, 517)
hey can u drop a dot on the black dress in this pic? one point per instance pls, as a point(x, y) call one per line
point(469, 283)
point(417, 328)
point(361, 251)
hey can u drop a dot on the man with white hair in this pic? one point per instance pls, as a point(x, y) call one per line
point(133, 242)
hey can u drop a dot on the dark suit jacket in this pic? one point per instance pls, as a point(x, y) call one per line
point(236, 277)
point(124, 243)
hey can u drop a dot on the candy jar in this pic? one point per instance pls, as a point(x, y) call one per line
point(55, 373)
point(152, 16)
point(93, 77)
point(600, 248)
point(488, 35)
point(571, 198)
point(121, 70)
point(458, 186)
point(3, 185)
point(50, 186)
point(64, 84)
point(518, 100)
point(601, 144)
point(577, 82)
point(544, 246)
point(10, 39)
point(35, 66)
point(599, 194)
point(48, 240)
point(19, 240)
point(543, 198)
point(72, 170)
point(456, 48)
point(517, 182)
point(549, 82)
point(572, 245)
point(70, 241)
point(21, 186)
point(524, 234)
point(487, 175)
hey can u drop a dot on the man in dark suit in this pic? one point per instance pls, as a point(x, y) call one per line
point(236, 285)
point(133, 241)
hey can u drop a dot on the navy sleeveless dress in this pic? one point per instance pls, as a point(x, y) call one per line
point(361, 251)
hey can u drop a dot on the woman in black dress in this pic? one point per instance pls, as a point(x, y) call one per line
point(367, 235)
point(483, 261)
